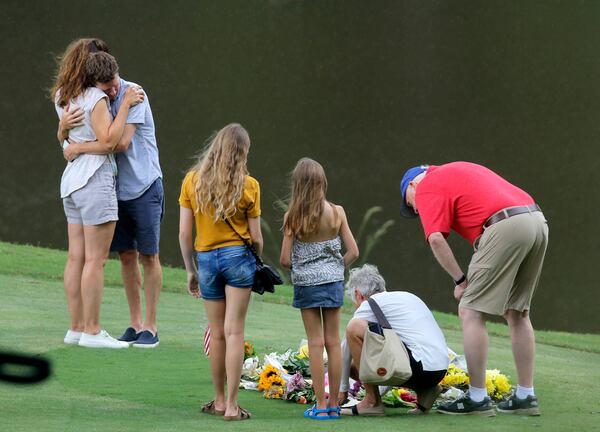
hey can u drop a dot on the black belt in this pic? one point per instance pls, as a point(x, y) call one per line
point(510, 212)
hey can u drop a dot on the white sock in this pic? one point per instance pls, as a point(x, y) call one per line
point(477, 394)
point(523, 392)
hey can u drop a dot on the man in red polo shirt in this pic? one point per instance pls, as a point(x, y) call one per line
point(509, 235)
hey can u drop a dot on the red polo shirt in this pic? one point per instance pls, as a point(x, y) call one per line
point(461, 196)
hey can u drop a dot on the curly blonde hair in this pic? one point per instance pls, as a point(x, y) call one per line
point(221, 172)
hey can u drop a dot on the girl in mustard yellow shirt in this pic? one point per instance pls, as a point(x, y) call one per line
point(216, 188)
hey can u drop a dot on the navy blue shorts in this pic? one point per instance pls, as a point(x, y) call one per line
point(230, 265)
point(138, 227)
point(329, 295)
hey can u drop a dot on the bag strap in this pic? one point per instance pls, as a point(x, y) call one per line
point(246, 242)
point(381, 319)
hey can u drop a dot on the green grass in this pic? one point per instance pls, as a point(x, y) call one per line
point(160, 390)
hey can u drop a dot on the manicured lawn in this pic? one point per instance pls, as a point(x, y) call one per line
point(161, 389)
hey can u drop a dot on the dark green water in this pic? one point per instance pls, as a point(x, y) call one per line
point(366, 88)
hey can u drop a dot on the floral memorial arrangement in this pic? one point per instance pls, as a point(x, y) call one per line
point(287, 376)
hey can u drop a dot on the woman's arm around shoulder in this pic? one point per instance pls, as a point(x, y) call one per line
point(108, 131)
point(349, 242)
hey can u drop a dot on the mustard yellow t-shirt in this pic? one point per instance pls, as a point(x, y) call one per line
point(211, 235)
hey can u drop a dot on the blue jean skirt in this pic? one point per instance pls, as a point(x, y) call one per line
point(329, 295)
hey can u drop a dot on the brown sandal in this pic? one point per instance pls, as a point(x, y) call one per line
point(209, 408)
point(241, 415)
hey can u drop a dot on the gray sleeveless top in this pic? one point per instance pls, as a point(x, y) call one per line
point(317, 263)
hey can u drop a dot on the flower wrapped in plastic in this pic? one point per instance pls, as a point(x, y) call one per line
point(271, 383)
point(497, 384)
point(298, 390)
point(251, 369)
point(297, 362)
point(399, 397)
point(303, 352)
point(455, 377)
point(249, 350)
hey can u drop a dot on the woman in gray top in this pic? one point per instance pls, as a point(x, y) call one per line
point(88, 185)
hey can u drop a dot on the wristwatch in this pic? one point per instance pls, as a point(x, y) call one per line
point(460, 280)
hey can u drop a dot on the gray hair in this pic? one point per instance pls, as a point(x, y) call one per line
point(366, 280)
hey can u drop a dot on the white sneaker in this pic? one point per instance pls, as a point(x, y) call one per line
point(101, 340)
point(72, 337)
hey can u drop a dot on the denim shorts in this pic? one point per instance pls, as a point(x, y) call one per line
point(138, 227)
point(328, 295)
point(230, 265)
point(96, 202)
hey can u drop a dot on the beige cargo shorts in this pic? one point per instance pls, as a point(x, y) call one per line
point(505, 269)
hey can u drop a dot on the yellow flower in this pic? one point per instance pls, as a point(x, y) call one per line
point(503, 386)
point(497, 385)
point(303, 352)
point(455, 377)
point(271, 383)
point(489, 385)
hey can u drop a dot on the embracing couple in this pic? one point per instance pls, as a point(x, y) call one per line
point(111, 190)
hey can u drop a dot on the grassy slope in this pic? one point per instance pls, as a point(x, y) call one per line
point(160, 389)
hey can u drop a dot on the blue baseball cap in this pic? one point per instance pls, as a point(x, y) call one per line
point(406, 210)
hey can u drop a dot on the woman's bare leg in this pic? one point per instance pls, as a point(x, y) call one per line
point(215, 311)
point(72, 275)
point(236, 306)
point(331, 328)
point(316, 342)
point(97, 245)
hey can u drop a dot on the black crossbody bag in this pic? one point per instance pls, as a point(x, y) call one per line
point(266, 277)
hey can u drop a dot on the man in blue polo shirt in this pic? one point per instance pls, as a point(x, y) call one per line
point(141, 207)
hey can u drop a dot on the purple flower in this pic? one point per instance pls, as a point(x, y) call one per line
point(295, 383)
point(356, 386)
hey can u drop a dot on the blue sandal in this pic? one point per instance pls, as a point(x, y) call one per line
point(336, 410)
point(313, 413)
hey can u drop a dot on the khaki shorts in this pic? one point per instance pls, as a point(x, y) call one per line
point(96, 202)
point(506, 266)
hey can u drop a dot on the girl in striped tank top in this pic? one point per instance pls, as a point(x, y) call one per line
point(314, 230)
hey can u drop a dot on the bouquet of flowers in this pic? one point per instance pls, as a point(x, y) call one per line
point(497, 384)
point(249, 350)
point(297, 363)
point(271, 383)
point(298, 390)
point(455, 377)
point(399, 397)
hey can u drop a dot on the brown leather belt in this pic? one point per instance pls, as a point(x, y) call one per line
point(510, 212)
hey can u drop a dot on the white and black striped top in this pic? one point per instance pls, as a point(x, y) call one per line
point(317, 263)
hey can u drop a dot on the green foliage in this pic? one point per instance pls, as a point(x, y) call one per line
point(367, 241)
point(296, 364)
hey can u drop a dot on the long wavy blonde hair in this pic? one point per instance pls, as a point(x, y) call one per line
point(221, 172)
point(309, 186)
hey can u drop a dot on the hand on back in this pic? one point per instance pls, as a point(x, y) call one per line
point(71, 118)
